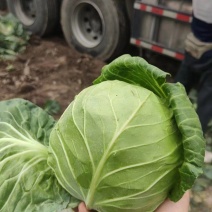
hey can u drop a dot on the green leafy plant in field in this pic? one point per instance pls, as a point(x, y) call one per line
point(126, 143)
point(52, 107)
point(13, 37)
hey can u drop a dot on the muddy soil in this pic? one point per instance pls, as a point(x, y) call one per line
point(48, 70)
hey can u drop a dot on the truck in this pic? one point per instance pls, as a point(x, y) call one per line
point(106, 28)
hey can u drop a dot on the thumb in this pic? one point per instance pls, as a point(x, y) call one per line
point(82, 207)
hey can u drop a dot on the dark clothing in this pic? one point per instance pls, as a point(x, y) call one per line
point(201, 30)
point(208, 54)
point(198, 72)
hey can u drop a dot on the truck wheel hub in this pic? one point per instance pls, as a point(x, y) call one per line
point(87, 24)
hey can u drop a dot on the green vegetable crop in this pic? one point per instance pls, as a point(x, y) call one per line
point(126, 143)
point(13, 37)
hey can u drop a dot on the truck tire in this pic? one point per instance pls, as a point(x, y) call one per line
point(38, 16)
point(96, 27)
point(3, 5)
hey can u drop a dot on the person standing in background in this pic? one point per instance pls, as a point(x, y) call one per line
point(196, 68)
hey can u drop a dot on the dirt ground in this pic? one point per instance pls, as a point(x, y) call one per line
point(48, 70)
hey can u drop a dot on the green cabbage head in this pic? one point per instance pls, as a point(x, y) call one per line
point(129, 141)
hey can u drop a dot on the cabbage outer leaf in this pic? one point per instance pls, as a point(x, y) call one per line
point(192, 139)
point(136, 70)
point(26, 181)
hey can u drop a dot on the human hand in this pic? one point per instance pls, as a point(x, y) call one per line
point(81, 208)
point(182, 205)
point(167, 206)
